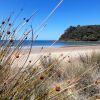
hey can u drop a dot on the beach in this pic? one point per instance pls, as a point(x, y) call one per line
point(36, 53)
point(64, 49)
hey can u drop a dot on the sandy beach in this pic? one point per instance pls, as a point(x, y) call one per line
point(64, 49)
point(72, 52)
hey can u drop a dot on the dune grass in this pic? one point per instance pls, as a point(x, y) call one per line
point(52, 78)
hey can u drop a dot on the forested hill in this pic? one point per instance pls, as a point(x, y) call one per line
point(81, 33)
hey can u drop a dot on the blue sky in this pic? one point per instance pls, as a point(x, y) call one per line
point(71, 12)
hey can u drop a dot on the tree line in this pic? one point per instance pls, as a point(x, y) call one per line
point(81, 33)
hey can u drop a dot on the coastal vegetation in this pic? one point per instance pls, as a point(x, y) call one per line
point(46, 77)
point(52, 79)
point(81, 33)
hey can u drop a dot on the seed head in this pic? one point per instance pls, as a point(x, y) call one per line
point(24, 18)
point(97, 82)
point(27, 20)
point(26, 38)
point(57, 88)
point(44, 56)
point(69, 61)
point(68, 81)
point(8, 32)
point(11, 41)
point(17, 56)
point(3, 22)
point(41, 77)
point(9, 24)
point(29, 61)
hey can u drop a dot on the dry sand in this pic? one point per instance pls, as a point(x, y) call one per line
point(64, 49)
point(55, 52)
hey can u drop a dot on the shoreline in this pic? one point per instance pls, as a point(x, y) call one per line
point(63, 49)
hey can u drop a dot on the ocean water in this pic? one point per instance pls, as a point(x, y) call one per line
point(46, 43)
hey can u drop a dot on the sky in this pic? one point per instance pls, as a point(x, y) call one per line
point(70, 13)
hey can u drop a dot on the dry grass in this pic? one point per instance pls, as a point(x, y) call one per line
point(50, 79)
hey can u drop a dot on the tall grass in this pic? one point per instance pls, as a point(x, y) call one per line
point(47, 78)
point(55, 79)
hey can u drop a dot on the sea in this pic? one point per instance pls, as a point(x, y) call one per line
point(55, 43)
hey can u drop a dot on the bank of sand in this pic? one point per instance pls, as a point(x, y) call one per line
point(55, 52)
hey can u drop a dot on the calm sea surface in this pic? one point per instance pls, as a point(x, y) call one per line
point(46, 43)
